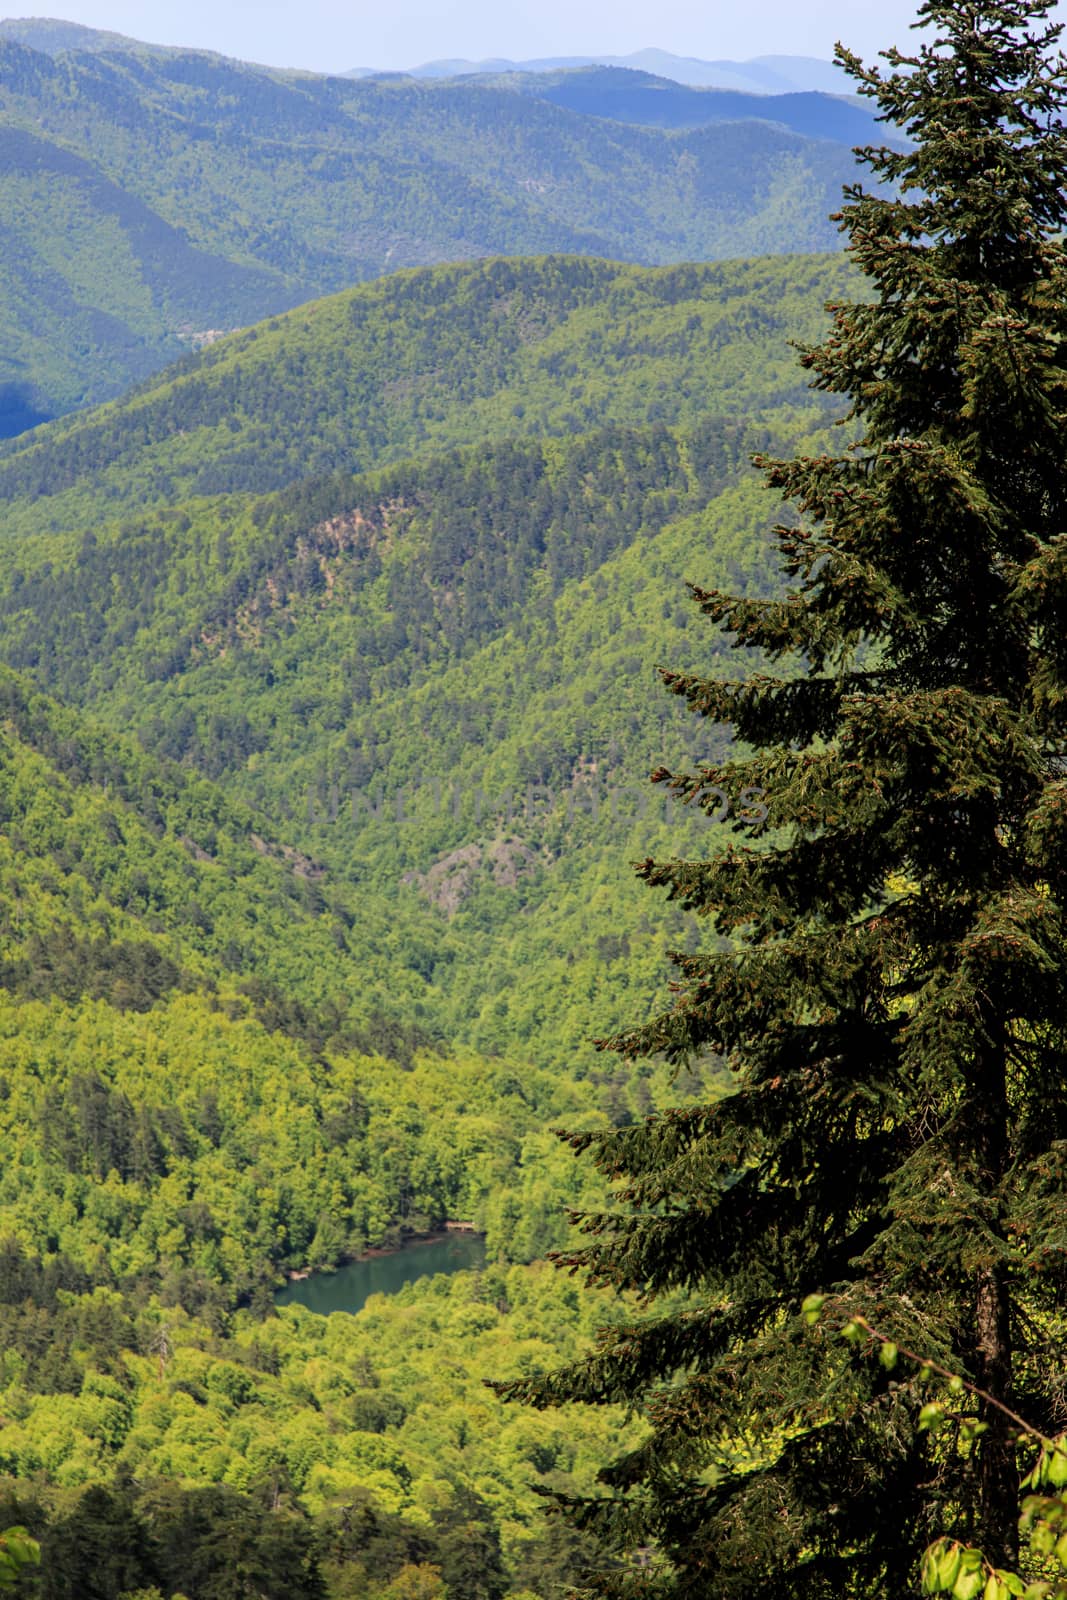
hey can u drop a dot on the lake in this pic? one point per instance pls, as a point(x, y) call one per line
point(349, 1288)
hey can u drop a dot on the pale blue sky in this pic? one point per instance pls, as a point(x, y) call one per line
point(333, 35)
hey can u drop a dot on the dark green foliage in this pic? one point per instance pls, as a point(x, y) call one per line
point(213, 1543)
point(96, 1551)
point(57, 961)
point(468, 1549)
point(893, 1001)
point(217, 1544)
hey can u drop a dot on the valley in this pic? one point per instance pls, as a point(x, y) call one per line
point(153, 199)
point(494, 610)
point(423, 539)
point(532, 814)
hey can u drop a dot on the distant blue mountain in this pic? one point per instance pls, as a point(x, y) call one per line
point(624, 95)
point(763, 75)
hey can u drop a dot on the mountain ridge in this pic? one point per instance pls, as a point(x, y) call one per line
point(508, 330)
point(159, 199)
point(762, 74)
point(768, 75)
point(485, 485)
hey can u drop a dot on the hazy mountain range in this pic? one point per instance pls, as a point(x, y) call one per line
point(151, 200)
point(761, 75)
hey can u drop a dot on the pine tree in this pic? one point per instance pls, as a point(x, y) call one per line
point(888, 989)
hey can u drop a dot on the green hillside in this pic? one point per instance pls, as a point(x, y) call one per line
point(52, 36)
point(431, 360)
point(196, 1097)
point(148, 922)
point(151, 199)
point(96, 289)
point(316, 891)
point(431, 674)
point(155, 1452)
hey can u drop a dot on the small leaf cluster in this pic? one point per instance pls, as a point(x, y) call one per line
point(17, 1550)
point(949, 1566)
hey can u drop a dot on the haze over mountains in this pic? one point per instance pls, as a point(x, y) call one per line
point(761, 75)
point(768, 74)
point(152, 199)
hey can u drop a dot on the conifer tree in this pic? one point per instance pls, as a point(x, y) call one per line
point(888, 989)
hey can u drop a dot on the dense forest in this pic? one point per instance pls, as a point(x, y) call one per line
point(295, 1458)
point(155, 199)
point(335, 652)
point(254, 1021)
point(194, 1099)
point(430, 360)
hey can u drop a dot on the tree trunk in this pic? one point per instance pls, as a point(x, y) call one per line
point(998, 1473)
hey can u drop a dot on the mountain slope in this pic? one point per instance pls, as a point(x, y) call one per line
point(354, 780)
point(129, 292)
point(190, 1008)
point(151, 199)
point(337, 651)
point(175, 1128)
point(428, 361)
point(52, 37)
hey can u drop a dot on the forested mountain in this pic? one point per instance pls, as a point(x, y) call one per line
point(333, 646)
point(285, 970)
point(96, 289)
point(428, 361)
point(147, 922)
point(52, 36)
point(329, 720)
point(315, 894)
point(153, 199)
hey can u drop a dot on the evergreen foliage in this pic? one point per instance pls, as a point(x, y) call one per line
point(894, 1007)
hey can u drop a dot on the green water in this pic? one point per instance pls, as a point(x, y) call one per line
point(349, 1288)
